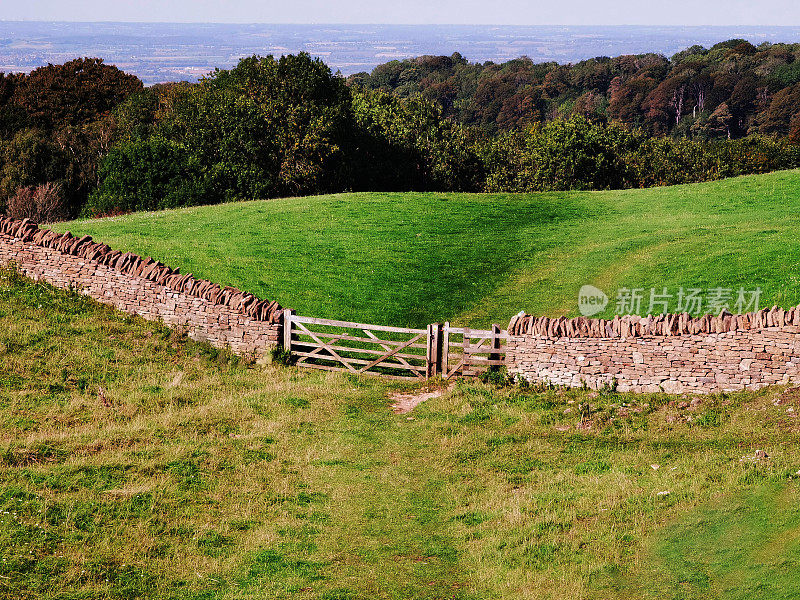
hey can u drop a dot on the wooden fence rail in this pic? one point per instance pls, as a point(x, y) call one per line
point(394, 352)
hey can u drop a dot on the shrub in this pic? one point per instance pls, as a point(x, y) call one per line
point(280, 356)
point(151, 174)
point(572, 154)
point(497, 376)
point(41, 203)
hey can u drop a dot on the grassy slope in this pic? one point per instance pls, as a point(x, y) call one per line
point(137, 464)
point(411, 259)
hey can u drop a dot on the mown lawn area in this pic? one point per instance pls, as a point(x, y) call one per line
point(137, 464)
point(410, 259)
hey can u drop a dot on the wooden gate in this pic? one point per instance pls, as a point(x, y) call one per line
point(394, 352)
point(470, 352)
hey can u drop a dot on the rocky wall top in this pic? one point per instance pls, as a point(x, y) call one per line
point(627, 326)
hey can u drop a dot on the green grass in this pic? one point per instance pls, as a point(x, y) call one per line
point(740, 547)
point(135, 463)
point(414, 258)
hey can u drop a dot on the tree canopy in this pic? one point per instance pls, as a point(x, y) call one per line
point(86, 137)
point(662, 95)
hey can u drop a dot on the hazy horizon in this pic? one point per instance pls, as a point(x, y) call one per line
point(161, 52)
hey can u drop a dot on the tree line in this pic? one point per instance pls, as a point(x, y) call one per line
point(730, 90)
point(87, 138)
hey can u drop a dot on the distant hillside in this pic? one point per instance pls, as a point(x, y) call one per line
point(730, 90)
point(474, 259)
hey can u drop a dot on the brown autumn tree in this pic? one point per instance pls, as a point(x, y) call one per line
point(73, 94)
point(720, 121)
point(784, 106)
point(627, 97)
point(666, 105)
point(11, 116)
point(56, 124)
point(794, 131)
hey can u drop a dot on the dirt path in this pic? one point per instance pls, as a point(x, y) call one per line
point(405, 403)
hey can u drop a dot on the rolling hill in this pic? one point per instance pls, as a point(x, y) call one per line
point(413, 258)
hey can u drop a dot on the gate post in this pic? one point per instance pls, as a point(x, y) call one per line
point(437, 345)
point(465, 370)
point(495, 342)
point(428, 353)
point(432, 357)
point(444, 357)
point(287, 329)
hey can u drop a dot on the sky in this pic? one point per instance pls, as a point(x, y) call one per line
point(497, 12)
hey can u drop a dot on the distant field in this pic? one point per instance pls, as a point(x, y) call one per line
point(137, 464)
point(415, 258)
point(161, 52)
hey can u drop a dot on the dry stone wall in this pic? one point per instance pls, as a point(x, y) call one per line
point(673, 353)
point(222, 316)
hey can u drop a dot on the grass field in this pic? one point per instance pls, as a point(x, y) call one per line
point(137, 464)
point(412, 259)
